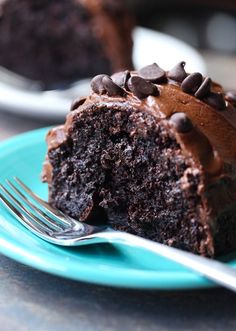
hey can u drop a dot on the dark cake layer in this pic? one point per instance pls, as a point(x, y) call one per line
point(132, 167)
point(57, 42)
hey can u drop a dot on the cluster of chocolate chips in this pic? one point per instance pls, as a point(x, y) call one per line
point(102, 84)
point(198, 86)
point(143, 84)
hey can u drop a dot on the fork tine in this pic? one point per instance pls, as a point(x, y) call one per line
point(20, 206)
point(50, 209)
point(21, 217)
point(54, 224)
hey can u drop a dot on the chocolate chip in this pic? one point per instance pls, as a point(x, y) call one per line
point(216, 100)
point(153, 73)
point(181, 122)
point(111, 88)
point(142, 88)
point(191, 83)
point(204, 89)
point(121, 78)
point(231, 97)
point(76, 103)
point(97, 84)
point(178, 73)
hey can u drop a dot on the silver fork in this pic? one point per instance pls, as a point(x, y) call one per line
point(55, 227)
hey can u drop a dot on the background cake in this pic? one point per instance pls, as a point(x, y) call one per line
point(57, 42)
point(153, 153)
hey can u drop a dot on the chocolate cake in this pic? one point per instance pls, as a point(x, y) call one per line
point(152, 153)
point(57, 42)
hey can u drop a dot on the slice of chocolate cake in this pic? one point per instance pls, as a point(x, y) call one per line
point(57, 42)
point(152, 153)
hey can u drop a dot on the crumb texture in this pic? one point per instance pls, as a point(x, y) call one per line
point(126, 167)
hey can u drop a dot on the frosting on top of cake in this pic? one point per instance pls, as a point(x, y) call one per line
point(211, 137)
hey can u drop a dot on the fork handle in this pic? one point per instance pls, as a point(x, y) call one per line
point(212, 269)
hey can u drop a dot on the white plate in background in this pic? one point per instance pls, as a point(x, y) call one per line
point(149, 46)
point(152, 46)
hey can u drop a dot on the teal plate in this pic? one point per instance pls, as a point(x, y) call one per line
point(115, 265)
